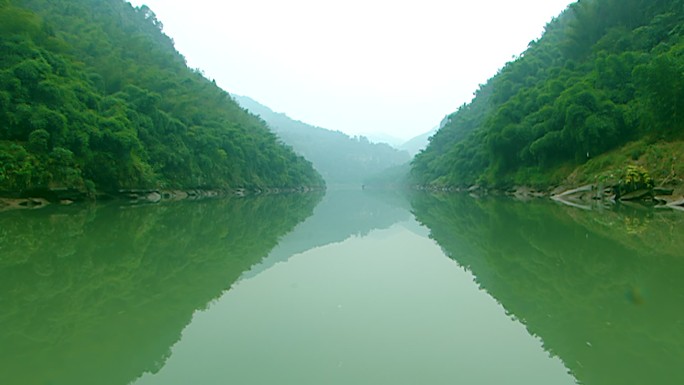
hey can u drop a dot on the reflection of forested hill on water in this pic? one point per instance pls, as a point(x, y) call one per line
point(603, 290)
point(99, 295)
point(340, 215)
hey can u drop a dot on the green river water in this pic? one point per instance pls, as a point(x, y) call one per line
point(352, 287)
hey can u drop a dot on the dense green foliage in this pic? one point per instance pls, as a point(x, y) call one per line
point(93, 95)
point(604, 73)
point(600, 289)
point(99, 295)
point(342, 160)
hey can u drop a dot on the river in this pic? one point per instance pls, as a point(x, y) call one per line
point(351, 287)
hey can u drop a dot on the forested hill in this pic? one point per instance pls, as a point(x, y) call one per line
point(94, 96)
point(342, 160)
point(601, 89)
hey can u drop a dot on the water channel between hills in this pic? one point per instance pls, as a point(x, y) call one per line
point(353, 287)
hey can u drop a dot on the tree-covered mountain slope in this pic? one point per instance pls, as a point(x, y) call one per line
point(602, 88)
point(342, 160)
point(94, 96)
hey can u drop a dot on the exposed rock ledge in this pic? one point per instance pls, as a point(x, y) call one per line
point(22, 203)
point(583, 196)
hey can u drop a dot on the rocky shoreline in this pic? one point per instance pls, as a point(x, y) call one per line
point(66, 197)
point(584, 197)
point(659, 197)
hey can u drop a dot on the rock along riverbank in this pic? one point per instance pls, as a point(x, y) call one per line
point(43, 198)
point(584, 197)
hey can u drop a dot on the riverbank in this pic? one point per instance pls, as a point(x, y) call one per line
point(583, 197)
point(649, 173)
point(66, 197)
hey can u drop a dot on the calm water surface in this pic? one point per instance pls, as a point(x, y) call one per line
point(349, 288)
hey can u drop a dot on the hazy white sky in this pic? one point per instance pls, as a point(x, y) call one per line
point(359, 66)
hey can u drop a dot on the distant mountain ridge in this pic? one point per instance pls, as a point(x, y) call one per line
point(417, 143)
point(341, 160)
point(385, 138)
